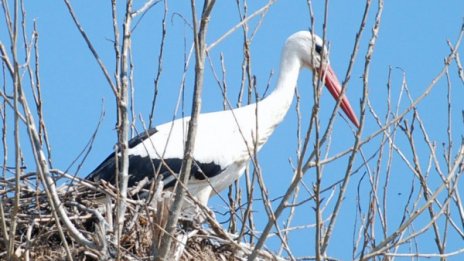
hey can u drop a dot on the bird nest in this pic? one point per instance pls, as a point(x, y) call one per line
point(32, 230)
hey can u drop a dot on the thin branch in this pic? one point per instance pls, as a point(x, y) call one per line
point(148, 4)
point(262, 10)
point(160, 64)
point(122, 101)
point(200, 55)
point(91, 48)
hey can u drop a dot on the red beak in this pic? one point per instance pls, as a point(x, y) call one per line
point(332, 83)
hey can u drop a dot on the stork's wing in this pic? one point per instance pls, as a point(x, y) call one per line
point(151, 166)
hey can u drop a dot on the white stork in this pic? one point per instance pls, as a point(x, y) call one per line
point(225, 140)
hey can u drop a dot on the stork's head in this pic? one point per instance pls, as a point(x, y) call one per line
point(312, 54)
point(309, 48)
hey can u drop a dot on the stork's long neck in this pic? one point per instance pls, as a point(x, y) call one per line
point(274, 107)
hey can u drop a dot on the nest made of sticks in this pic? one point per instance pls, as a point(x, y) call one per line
point(32, 231)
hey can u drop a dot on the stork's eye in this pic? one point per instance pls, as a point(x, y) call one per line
point(318, 49)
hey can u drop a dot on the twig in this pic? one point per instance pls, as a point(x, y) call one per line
point(91, 48)
point(148, 4)
point(160, 64)
point(357, 143)
point(237, 26)
point(16, 85)
point(200, 54)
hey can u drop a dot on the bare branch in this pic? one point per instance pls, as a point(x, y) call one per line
point(200, 55)
point(91, 48)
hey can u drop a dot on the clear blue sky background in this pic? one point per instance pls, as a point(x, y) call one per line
point(412, 37)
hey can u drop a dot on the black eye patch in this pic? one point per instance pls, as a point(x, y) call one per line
point(318, 49)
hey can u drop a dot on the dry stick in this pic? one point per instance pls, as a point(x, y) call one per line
point(292, 206)
point(28, 238)
point(200, 54)
point(117, 54)
point(389, 160)
point(9, 66)
point(283, 203)
point(357, 143)
point(249, 181)
point(428, 141)
point(232, 202)
point(295, 194)
point(394, 147)
point(176, 109)
point(91, 48)
point(246, 75)
point(27, 60)
point(5, 58)
point(6, 63)
point(223, 84)
point(422, 180)
point(122, 100)
point(264, 192)
point(43, 127)
point(149, 4)
point(459, 206)
point(6, 99)
point(458, 63)
point(160, 64)
point(9, 24)
point(237, 26)
point(116, 44)
point(34, 77)
point(365, 221)
point(419, 255)
point(317, 147)
point(374, 203)
point(356, 241)
point(131, 84)
point(228, 105)
point(377, 171)
point(17, 145)
point(448, 219)
point(246, 66)
point(390, 138)
point(449, 119)
point(3, 225)
point(371, 213)
point(294, 184)
point(456, 198)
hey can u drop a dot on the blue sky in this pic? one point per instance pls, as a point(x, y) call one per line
point(412, 41)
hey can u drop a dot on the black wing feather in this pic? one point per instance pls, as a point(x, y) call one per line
point(141, 167)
